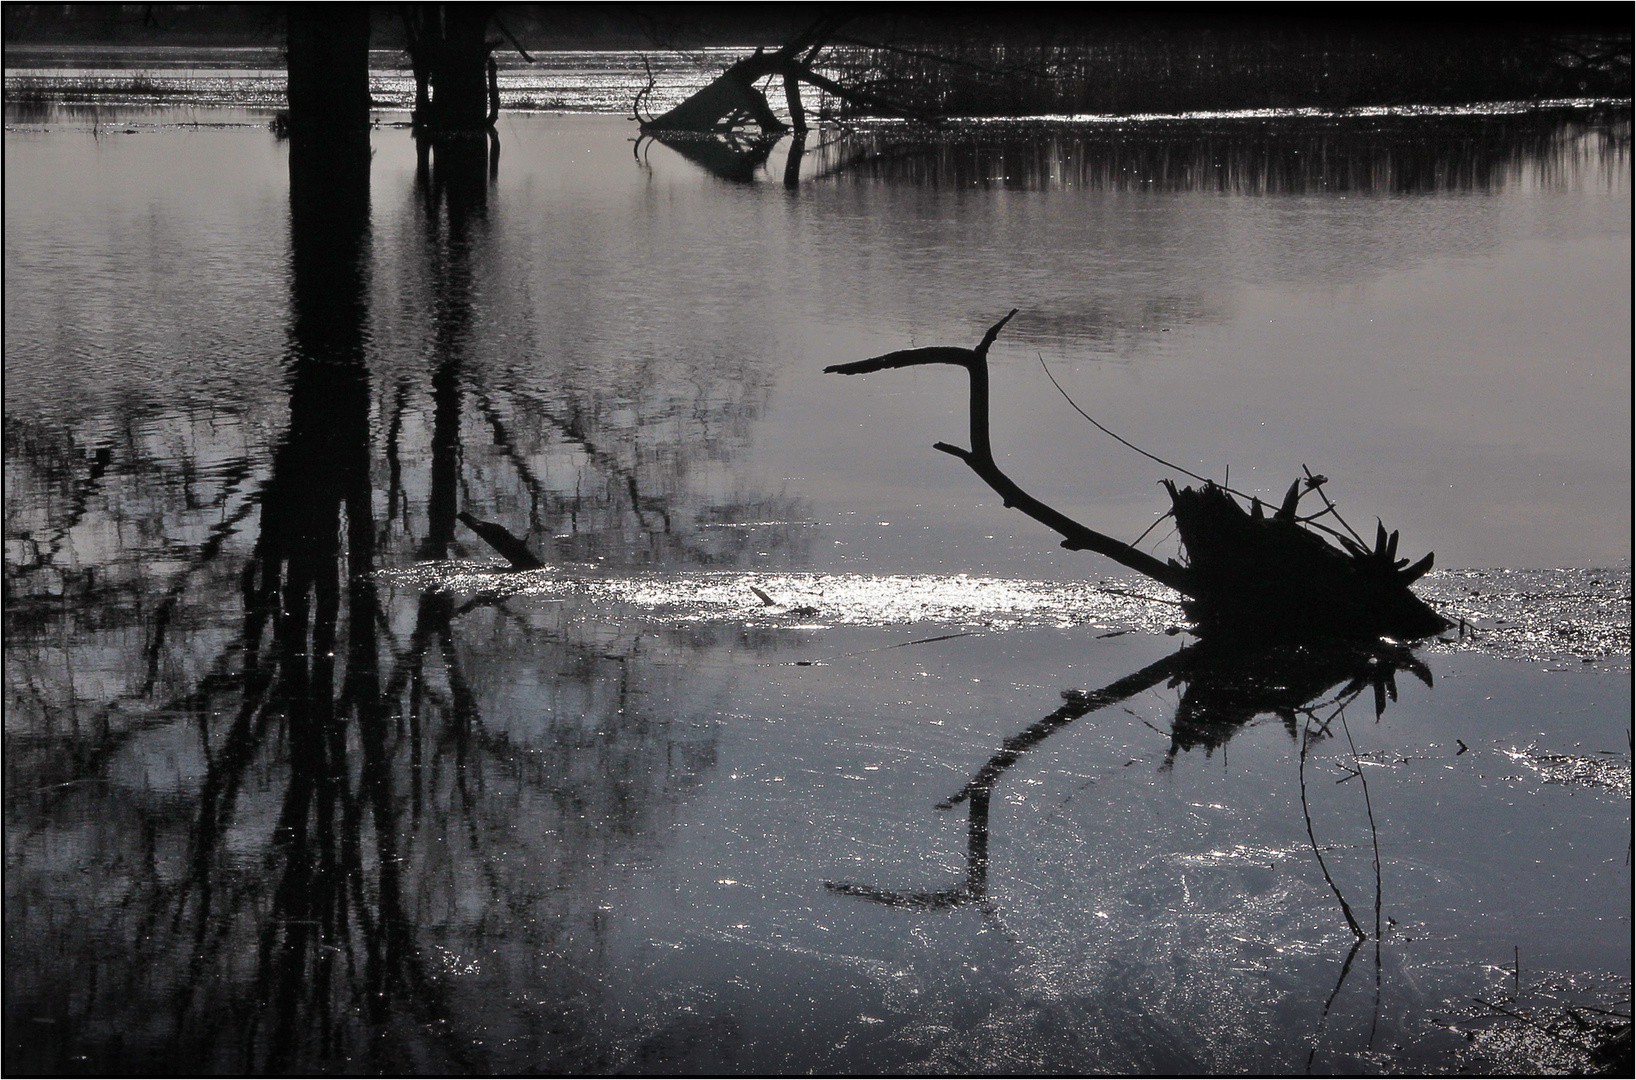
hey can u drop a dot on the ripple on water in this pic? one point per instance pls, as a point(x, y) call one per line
point(1539, 615)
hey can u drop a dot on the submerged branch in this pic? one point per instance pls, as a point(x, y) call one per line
point(500, 539)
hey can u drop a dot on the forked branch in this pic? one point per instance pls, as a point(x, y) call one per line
point(1247, 573)
point(980, 458)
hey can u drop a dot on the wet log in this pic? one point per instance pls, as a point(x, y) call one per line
point(1245, 574)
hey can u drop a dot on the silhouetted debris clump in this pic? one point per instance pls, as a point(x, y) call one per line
point(1247, 574)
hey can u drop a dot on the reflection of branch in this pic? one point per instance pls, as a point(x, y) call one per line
point(394, 467)
point(1306, 812)
point(207, 552)
point(1323, 1017)
point(508, 446)
point(974, 890)
point(573, 432)
point(1076, 703)
point(78, 503)
point(1374, 834)
point(219, 792)
point(1226, 689)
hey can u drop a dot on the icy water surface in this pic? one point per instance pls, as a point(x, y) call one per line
point(801, 753)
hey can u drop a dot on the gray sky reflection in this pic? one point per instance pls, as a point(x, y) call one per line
point(1478, 338)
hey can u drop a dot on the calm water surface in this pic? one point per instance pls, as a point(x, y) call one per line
point(297, 778)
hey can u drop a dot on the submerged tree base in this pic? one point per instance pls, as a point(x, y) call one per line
point(1246, 574)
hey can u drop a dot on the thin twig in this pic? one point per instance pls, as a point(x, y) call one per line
point(512, 38)
point(1155, 525)
point(1125, 441)
point(1314, 484)
point(642, 94)
point(1535, 1024)
point(1310, 520)
point(1139, 596)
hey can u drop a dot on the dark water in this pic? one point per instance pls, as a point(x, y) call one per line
point(298, 779)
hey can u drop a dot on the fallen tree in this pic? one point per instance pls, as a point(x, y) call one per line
point(1246, 573)
point(732, 100)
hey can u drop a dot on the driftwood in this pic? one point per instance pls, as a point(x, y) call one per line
point(500, 539)
point(1245, 573)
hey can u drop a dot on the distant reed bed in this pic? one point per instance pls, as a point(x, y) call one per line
point(1294, 154)
point(1014, 67)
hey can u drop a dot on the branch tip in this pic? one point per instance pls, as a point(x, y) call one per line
point(992, 333)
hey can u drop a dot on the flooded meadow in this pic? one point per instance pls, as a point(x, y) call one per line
point(802, 752)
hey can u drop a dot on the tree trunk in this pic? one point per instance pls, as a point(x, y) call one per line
point(328, 56)
point(792, 162)
point(449, 54)
point(792, 96)
point(494, 91)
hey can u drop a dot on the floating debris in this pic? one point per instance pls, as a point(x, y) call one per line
point(1608, 771)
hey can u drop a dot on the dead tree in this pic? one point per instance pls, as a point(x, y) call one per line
point(1246, 574)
